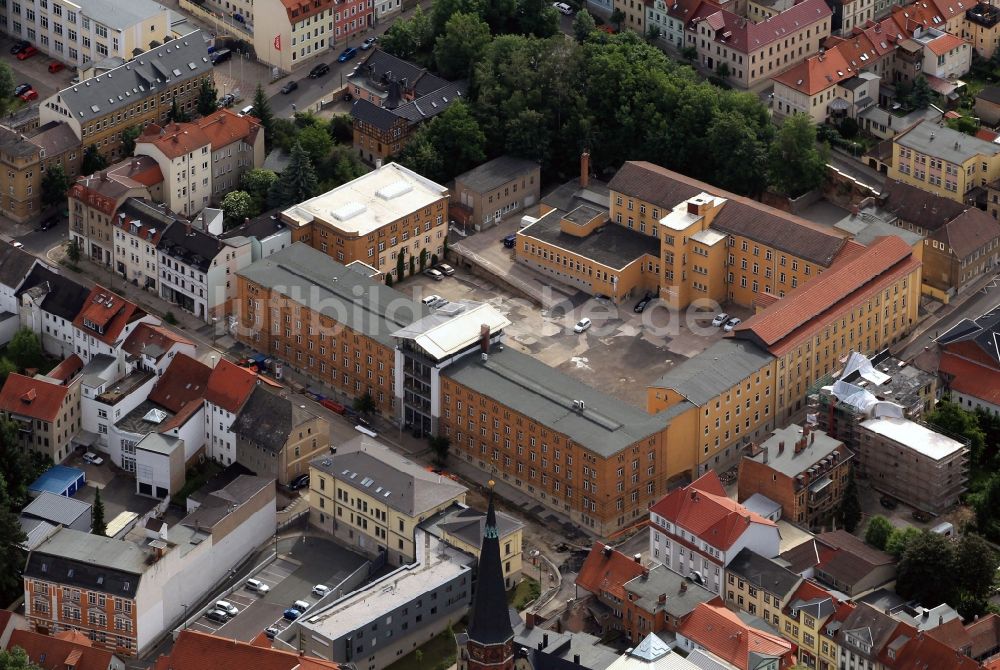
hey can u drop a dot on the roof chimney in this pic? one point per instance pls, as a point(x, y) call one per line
point(662, 600)
point(584, 169)
point(576, 659)
point(765, 456)
point(637, 558)
point(781, 447)
point(484, 338)
point(545, 640)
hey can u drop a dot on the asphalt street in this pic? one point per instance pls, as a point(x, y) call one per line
point(975, 305)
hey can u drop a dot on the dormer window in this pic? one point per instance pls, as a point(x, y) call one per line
point(93, 326)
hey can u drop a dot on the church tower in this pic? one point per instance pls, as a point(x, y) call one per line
point(488, 644)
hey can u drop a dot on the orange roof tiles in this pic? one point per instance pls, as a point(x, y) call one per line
point(300, 10)
point(923, 652)
point(174, 139)
point(34, 398)
point(942, 45)
point(67, 369)
point(147, 338)
point(61, 651)
point(817, 73)
point(812, 306)
point(969, 378)
point(105, 314)
point(224, 127)
point(721, 632)
point(607, 570)
point(229, 386)
point(746, 36)
point(703, 508)
point(183, 382)
point(200, 651)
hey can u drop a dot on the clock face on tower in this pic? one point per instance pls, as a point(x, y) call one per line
point(493, 654)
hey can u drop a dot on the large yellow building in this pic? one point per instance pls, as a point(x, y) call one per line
point(944, 161)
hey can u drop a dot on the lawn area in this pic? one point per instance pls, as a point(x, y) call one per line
point(527, 591)
point(196, 478)
point(437, 654)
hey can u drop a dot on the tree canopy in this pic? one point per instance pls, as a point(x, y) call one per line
point(55, 183)
point(878, 531)
point(297, 182)
point(16, 659)
point(797, 163)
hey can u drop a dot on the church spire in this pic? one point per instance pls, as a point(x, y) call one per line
point(489, 622)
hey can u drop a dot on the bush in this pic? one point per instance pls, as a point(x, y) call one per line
point(170, 318)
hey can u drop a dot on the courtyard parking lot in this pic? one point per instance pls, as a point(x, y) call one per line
point(302, 563)
point(35, 71)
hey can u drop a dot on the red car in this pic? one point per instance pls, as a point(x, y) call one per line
point(55, 66)
point(27, 53)
point(30, 94)
point(333, 406)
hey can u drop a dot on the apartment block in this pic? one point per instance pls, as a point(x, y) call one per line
point(23, 161)
point(759, 586)
point(968, 362)
point(81, 32)
point(48, 304)
point(944, 161)
point(138, 226)
point(389, 214)
point(137, 93)
point(292, 33)
point(229, 387)
point(46, 410)
point(496, 191)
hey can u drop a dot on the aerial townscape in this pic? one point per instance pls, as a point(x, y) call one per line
point(499, 335)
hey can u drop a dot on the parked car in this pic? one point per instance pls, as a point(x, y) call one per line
point(332, 405)
point(368, 43)
point(258, 586)
point(300, 482)
point(30, 94)
point(227, 607)
point(887, 502)
point(92, 458)
point(21, 88)
point(347, 54)
point(431, 300)
point(732, 323)
point(563, 8)
point(921, 516)
point(50, 222)
point(17, 245)
point(582, 325)
point(640, 306)
point(289, 87)
point(720, 319)
point(221, 56)
point(434, 274)
point(445, 269)
point(217, 616)
point(227, 100)
point(27, 53)
point(271, 631)
point(291, 614)
point(319, 71)
point(510, 241)
point(320, 590)
point(300, 605)
point(19, 46)
point(56, 66)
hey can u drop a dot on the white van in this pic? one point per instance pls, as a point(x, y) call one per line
point(300, 605)
point(247, 111)
point(258, 586)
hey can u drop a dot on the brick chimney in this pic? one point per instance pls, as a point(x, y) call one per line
point(662, 600)
point(484, 338)
point(584, 169)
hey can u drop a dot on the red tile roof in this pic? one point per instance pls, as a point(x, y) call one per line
point(300, 10)
point(607, 570)
point(200, 651)
point(970, 378)
point(945, 43)
point(987, 134)
point(813, 306)
point(721, 632)
point(146, 336)
point(923, 652)
point(105, 314)
point(703, 508)
point(106, 189)
point(174, 139)
point(183, 382)
point(953, 634)
point(35, 398)
point(224, 127)
point(67, 369)
point(58, 652)
point(985, 634)
point(229, 386)
point(746, 36)
point(817, 73)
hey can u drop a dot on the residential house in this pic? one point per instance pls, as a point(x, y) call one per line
point(229, 387)
point(193, 650)
point(987, 105)
point(389, 214)
point(197, 270)
point(47, 413)
point(94, 29)
point(267, 234)
point(61, 651)
point(276, 437)
point(49, 305)
point(807, 479)
point(634, 12)
point(804, 616)
point(137, 93)
point(104, 321)
point(759, 586)
point(204, 159)
point(24, 159)
point(842, 562)
point(604, 574)
point(464, 528)
point(659, 601)
point(389, 81)
point(293, 33)
point(125, 594)
point(980, 28)
point(865, 635)
point(714, 628)
point(696, 530)
point(15, 266)
point(111, 388)
point(650, 653)
point(373, 499)
point(94, 202)
point(138, 228)
point(969, 364)
point(945, 56)
point(533, 646)
point(670, 18)
point(488, 194)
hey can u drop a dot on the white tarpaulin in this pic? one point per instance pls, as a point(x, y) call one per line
point(864, 367)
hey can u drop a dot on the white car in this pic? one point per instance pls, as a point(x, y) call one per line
point(582, 325)
point(227, 607)
point(563, 8)
point(320, 590)
point(92, 458)
point(431, 300)
point(17, 245)
point(720, 319)
point(258, 586)
point(732, 323)
point(434, 274)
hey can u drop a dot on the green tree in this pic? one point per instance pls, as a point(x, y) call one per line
point(92, 161)
point(410, 39)
point(583, 25)
point(262, 112)
point(964, 124)
point(462, 44)
point(689, 53)
point(926, 571)
point(989, 423)
point(16, 659)
point(421, 156)
point(6, 368)
point(986, 505)
point(536, 17)
point(317, 143)
point(98, 525)
point(878, 531)
point(341, 128)
point(455, 133)
point(900, 539)
point(365, 404)
point(400, 266)
point(737, 155)
point(388, 279)
point(297, 182)
point(237, 206)
point(55, 183)
point(339, 167)
point(653, 34)
point(208, 97)
point(423, 259)
point(129, 136)
point(73, 252)
point(976, 566)
point(258, 182)
point(6, 87)
point(11, 556)
point(441, 446)
point(413, 265)
point(443, 10)
point(951, 418)
point(176, 114)
point(25, 349)
point(849, 513)
point(797, 164)
point(723, 71)
point(617, 16)
point(921, 93)
point(528, 135)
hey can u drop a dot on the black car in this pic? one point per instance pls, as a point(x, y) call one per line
point(21, 89)
point(300, 482)
point(641, 305)
point(50, 222)
point(319, 71)
point(510, 241)
point(289, 87)
point(887, 502)
point(19, 46)
point(217, 616)
point(227, 100)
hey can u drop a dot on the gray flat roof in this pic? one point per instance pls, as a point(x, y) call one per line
point(120, 15)
point(157, 443)
point(945, 143)
point(496, 173)
point(787, 462)
point(316, 281)
point(96, 550)
point(713, 371)
point(57, 509)
point(682, 596)
point(605, 425)
point(612, 245)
